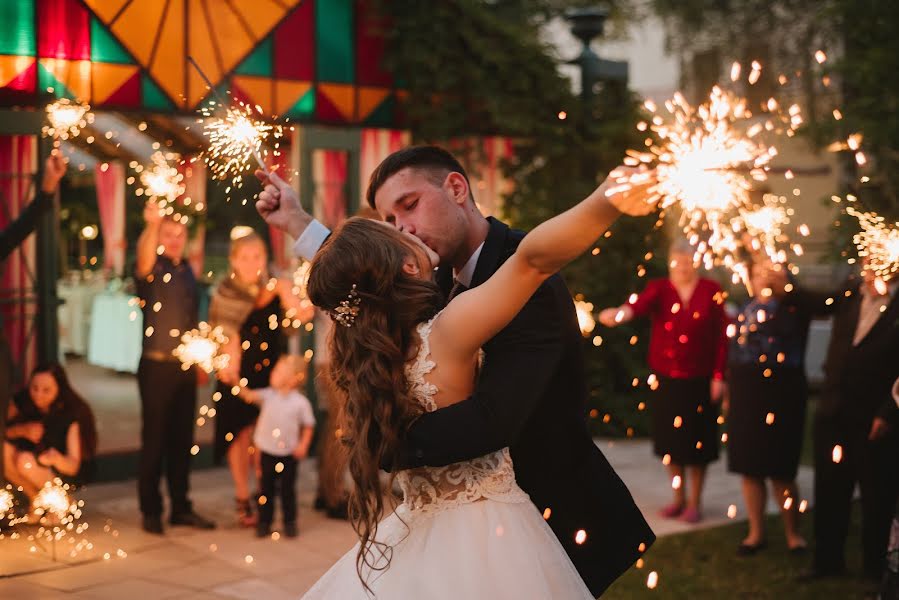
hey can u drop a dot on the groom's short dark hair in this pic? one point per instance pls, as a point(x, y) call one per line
point(436, 161)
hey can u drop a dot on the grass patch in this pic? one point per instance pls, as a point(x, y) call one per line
point(704, 564)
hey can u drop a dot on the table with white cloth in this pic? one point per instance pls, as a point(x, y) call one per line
point(116, 333)
point(74, 313)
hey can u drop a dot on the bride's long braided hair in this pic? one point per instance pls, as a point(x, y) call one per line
point(368, 359)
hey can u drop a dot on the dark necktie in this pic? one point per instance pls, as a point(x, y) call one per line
point(458, 288)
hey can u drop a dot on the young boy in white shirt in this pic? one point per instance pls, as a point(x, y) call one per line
point(282, 437)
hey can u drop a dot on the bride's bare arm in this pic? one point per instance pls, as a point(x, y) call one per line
point(475, 316)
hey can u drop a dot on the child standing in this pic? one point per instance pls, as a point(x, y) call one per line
point(283, 435)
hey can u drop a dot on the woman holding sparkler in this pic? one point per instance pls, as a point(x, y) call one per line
point(51, 431)
point(246, 304)
point(687, 354)
point(768, 396)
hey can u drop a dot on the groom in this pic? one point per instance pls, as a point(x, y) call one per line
point(531, 391)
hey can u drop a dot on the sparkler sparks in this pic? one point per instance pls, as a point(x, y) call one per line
point(235, 139)
point(707, 159)
point(6, 503)
point(585, 318)
point(202, 347)
point(161, 181)
point(67, 119)
point(877, 243)
point(53, 499)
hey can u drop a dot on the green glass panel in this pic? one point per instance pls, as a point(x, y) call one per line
point(17, 35)
point(152, 96)
point(305, 106)
point(383, 115)
point(334, 37)
point(259, 62)
point(46, 79)
point(105, 48)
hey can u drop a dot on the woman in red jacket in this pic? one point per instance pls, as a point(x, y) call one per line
point(687, 355)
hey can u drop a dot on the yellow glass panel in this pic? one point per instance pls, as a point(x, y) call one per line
point(136, 26)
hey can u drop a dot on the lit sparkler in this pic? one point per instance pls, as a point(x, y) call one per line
point(877, 242)
point(67, 118)
point(6, 503)
point(235, 139)
point(706, 161)
point(161, 181)
point(585, 318)
point(53, 500)
point(764, 229)
point(202, 347)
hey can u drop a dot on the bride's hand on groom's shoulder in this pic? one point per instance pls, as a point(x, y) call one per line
point(630, 190)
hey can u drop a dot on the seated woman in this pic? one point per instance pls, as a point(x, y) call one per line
point(51, 432)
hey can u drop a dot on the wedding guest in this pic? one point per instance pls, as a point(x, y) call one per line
point(167, 287)
point(11, 237)
point(857, 427)
point(687, 355)
point(51, 432)
point(889, 588)
point(283, 435)
point(246, 304)
point(768, 394)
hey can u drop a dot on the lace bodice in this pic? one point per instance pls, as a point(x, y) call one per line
point(427, 489)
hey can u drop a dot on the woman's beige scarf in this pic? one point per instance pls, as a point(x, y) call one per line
point(231, 304)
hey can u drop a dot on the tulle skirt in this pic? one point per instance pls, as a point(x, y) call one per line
point(488, 549)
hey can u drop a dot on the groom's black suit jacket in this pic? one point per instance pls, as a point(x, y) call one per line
point(531, 396)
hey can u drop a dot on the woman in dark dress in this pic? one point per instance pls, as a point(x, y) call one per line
point(687, 354)
point(768, 397)
point(251, 309)
point(51, 432)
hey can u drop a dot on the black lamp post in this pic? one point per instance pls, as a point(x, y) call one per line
point(586, 24)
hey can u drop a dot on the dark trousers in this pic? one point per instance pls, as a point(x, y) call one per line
point(168, 399)
point(273, 483)
point(874, 466)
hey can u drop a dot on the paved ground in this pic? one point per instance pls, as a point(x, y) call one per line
point(231, 563)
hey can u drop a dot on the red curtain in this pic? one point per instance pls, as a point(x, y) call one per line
point(110, 181)
point(329, 177)
point(18, 163)
point(378, 144)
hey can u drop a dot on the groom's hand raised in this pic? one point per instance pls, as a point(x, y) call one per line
point(279, 205)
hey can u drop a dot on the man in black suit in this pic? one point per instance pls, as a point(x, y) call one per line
point(531, 391)
point(856, 437)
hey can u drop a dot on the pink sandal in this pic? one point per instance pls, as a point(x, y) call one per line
point(691, 515)
point(672, 511)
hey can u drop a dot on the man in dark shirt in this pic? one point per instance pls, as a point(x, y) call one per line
point(167, 287)
point(11, 237)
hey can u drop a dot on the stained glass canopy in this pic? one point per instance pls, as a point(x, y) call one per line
point(311, 60)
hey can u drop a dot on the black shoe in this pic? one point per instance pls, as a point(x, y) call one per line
point(153, 524)
point(263, 530)
point(800, 550)
point(320, 503)
point(751, 549)
point(191, 519)
point(290, 529)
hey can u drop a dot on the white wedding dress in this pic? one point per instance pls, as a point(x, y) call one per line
point(464, 531)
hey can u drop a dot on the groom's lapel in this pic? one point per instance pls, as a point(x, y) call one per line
point(493, 253)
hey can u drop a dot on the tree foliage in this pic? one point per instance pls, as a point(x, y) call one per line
point(473, 68)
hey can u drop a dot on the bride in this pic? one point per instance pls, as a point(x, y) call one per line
point(465, 530)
